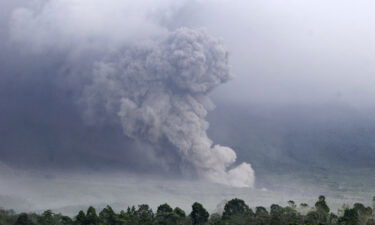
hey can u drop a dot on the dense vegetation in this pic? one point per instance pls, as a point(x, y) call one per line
point(235, 212)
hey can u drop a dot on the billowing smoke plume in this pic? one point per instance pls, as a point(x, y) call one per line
point(152, 81)
point(159, 92)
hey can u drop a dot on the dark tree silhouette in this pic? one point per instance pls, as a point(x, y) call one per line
point(199, 214)
point(23, 219)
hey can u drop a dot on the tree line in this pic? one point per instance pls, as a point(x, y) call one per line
point(236, 212)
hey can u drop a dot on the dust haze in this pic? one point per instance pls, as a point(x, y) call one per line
point(260, 97)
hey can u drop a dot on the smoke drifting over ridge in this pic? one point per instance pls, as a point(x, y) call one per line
point(156, 86)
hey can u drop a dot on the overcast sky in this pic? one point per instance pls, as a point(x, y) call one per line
point(304, 51)
point(281, 51)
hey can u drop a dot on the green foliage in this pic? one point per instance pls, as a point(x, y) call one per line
point(91, 216)
point(165, 215)
point(47, 218)
point(199, 214)
point(7, 217)
point(236, 212)
point(81, 218)
point(350, 217)
point(277, 214)
point(179, 212)
point(322, 210)
point(66, 220)
point(321, 205)
point(144, 215)
point(216, 219)
point(261, 216)
point(235, 207)
point(108, 216)
point(312, 217)
point(23, 219)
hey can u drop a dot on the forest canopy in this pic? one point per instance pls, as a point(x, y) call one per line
point(235, 212)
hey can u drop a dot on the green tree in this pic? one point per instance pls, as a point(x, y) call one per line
point(235, 207)
point(179, 212)
point(108, 216)
point(364, 213)
point(350, 217)
point(291, 215)
point(216, 219)
point(321, 205)
point(292, 204)
point(181, 216)
point(304, 208)
point(47, 218)
point(333, 219)
point(236, 211)
point(7, 217)
point(165, 215)
point(261, 216)
point(312, 217)
point(23, 219)
point(128, 217)
point(66, 220)
point(91, 217)
point(322, 209)
point(80, 218)
point(277, 215)
point(144, 215)
point(199, 214)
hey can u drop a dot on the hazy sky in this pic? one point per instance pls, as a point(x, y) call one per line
point(304, 51)
point(281, 52)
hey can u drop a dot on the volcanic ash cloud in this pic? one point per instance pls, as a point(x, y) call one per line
point(158, 91)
